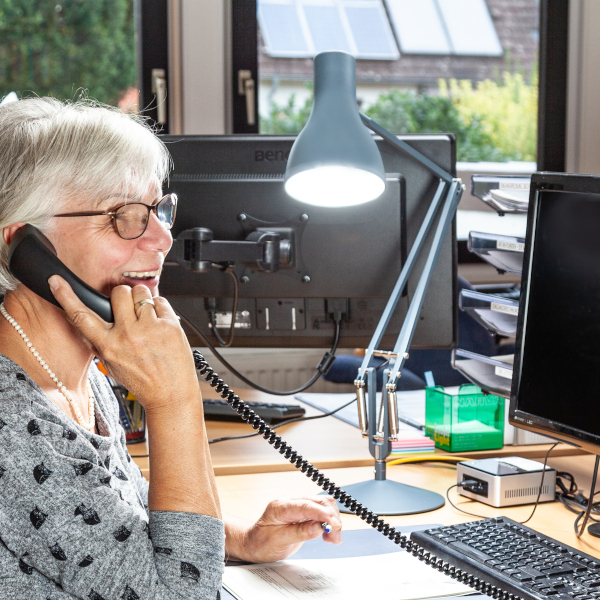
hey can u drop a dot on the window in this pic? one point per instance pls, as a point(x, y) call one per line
point(303, 28)
point(461, 27)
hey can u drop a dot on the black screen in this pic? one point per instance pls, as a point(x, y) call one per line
point(560, 354)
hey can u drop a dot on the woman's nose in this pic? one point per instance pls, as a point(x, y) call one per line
point(157, 236)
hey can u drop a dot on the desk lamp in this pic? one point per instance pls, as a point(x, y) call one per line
point(335, 162)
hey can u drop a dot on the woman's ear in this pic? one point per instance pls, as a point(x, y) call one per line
point(9, 232)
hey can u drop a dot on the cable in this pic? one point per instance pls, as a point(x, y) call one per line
point(537, 500)
point(211, 313)
point(315, 475)
point(323, 366)
point(428, 458)
point(590, 501)
point(288, 422)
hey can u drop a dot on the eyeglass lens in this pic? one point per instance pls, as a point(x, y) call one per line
point(131, 220)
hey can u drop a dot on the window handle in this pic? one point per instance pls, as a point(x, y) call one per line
point(159, 89)
point(246, 87)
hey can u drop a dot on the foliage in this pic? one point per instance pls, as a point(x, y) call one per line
point(55, 49)
point(507, 109)
point(492, 121)
point(287, 118)
point(407, 112)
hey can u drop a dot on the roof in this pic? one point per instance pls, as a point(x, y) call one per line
point(516, 25)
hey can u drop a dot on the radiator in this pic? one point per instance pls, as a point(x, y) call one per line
point(275, 368)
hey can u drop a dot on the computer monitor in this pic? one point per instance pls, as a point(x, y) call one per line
point(338, 259)
point(556, 374)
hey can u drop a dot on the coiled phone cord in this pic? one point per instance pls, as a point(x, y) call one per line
point(250, 417)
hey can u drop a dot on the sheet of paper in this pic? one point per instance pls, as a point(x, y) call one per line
point(396, 576)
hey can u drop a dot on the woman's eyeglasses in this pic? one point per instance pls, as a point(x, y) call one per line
point(131, 220)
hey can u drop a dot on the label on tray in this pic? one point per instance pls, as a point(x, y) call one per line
point(502, 372)
point(505, 308)
point(512, 246)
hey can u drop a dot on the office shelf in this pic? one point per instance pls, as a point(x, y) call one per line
point(504, 193)
point(492, 374)
point(496, 313)
point(504, 252)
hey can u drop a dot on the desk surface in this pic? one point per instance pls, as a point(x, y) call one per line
point(247, 495)
point(328, 443)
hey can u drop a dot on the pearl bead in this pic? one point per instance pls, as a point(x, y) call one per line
point(62, 388)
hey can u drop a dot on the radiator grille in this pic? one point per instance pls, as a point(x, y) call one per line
point(530, 491)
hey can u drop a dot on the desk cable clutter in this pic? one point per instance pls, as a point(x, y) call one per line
point(250, 417)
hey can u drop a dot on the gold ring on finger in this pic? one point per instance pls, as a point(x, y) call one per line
point(138, 305)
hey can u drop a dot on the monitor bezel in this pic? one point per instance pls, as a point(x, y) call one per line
point(545, 182)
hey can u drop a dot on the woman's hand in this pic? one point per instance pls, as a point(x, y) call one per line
point(284, 526)
point(146, 352)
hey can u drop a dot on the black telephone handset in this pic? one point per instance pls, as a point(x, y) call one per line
point(32, 260)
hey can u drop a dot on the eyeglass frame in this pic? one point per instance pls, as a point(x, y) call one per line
point(112, 213)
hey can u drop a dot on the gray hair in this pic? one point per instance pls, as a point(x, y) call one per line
point(51, 151)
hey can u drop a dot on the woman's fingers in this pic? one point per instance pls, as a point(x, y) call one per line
point(87, 321)
point(307, 516)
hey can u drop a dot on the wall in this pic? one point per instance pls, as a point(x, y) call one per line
point(583, 116)
point(205, 66)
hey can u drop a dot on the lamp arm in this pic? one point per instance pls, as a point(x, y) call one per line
point(410, 322)
point(391, 139)
point(402, 280)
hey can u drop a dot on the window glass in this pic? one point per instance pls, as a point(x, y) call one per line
point(470, 27)
point(303, 28)
point(283, 34)
point(326, 28)
point(418, 26)
point(69, 48)
point(371, 31)
point(467, 67)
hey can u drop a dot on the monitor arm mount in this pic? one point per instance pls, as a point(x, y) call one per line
point(382, 428)
point(266, 249)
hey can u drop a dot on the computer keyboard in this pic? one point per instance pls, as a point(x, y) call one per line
point(219, 410)
point(515, 558)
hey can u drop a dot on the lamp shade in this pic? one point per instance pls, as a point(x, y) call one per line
point(334, 160)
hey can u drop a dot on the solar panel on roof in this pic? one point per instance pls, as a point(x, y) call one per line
point(371, 31)
point(418, 26)
point(470, 27)
point(281, 29)
point(326, 28)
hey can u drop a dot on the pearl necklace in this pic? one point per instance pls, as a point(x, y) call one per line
point(61, 388)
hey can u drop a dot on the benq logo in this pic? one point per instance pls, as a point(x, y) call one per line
point(271, 155)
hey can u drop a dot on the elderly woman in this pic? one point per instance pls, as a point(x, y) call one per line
point(77, 519)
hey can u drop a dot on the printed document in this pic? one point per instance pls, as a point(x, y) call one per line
point(394, 576)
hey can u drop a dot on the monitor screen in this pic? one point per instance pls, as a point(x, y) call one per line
point(557, 361)
point(344, 259)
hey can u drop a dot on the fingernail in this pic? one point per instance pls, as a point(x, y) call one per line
point(315, 528)
point(53, 283)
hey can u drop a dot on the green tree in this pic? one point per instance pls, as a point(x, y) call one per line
point(407, 112)
point(47, 48)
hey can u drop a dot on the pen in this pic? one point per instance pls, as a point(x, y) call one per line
point(326, 527)
point(410, 422)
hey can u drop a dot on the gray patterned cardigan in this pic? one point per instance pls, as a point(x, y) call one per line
point(74, 518)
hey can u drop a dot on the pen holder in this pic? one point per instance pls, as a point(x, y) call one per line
point(469, 420)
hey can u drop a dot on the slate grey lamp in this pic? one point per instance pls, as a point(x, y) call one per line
point(335, 162)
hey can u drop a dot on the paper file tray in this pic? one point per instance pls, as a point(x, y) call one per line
point(504, 252)
point(492, 374)
point(495, 313)
point(504, 193)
